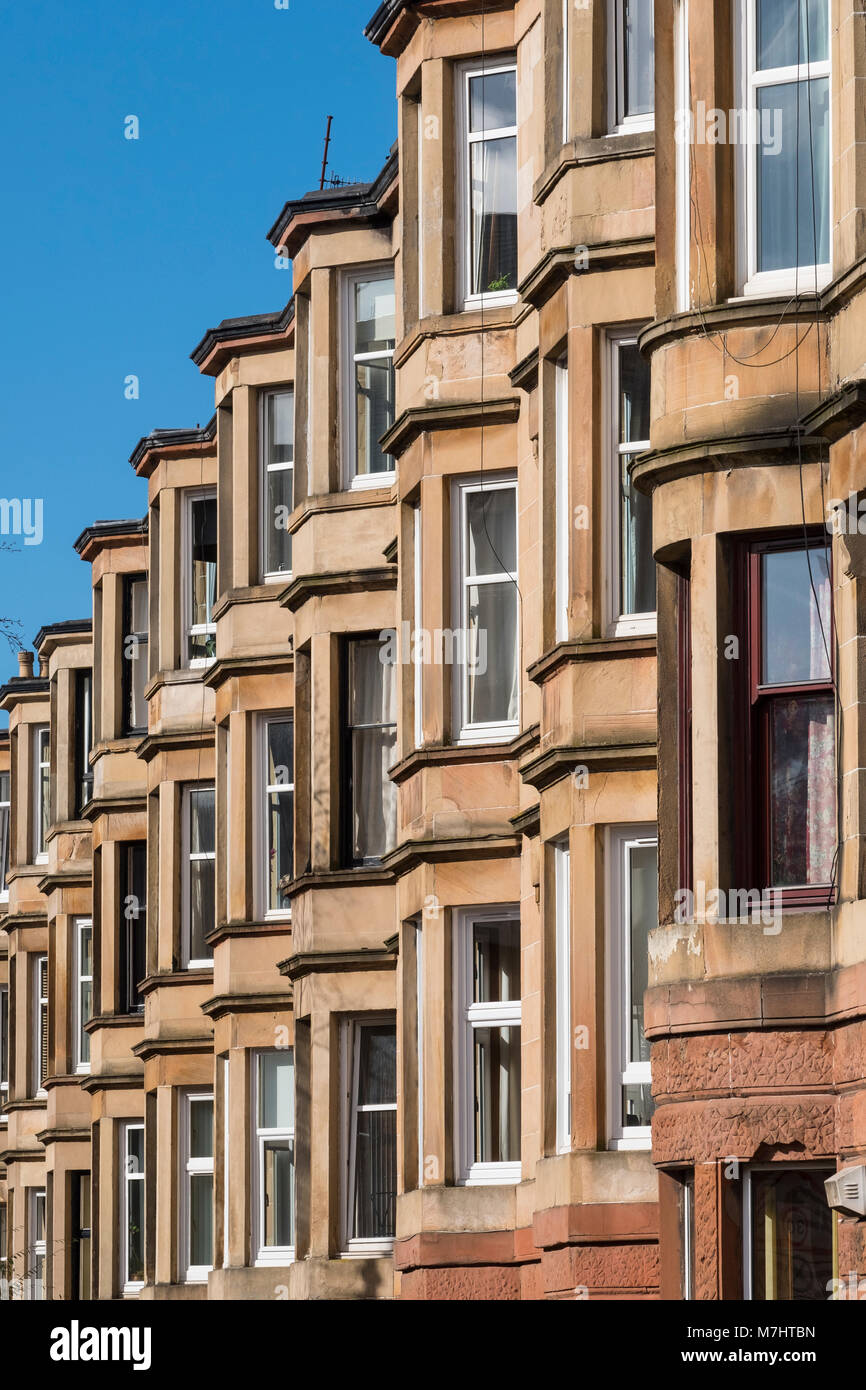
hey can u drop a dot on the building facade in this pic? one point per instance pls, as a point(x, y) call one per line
point(435, 870)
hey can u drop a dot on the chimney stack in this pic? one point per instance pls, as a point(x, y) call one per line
point(25, 665)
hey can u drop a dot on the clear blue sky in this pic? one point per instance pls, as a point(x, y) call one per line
point(117, 255)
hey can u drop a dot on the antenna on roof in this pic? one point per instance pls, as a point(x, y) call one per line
point(325, 155)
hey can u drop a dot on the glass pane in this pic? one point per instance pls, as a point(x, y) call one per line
point(375, 1174)
point(374, 400)
point(86, 934)
point(372, 684)
point(280, 487)
point(802, 791)
point(280, 814)
point(497, 1094)
point(494, 215)
point(637, 1105)
point(86, 1015)
point(492, 101)
point(204, 558)
point(791, 32)
point(374, 795)
point(280, 426)
point(276, 1090)
point(135, 1151)
point(201, 1129)
point(201, 1219)
point(638, 564)
point(377, 1064)
point(496, 960)
point(280, 753)
point(634, 395)
point(4, 846)
point(644, 915)
point(792, 1236)
point(491, 657)
point(375, 321)
point(138, 606)
point(638, 57)
point(795, 631)
point(491, 542)
point(202, 907)
point(137, 652)
point(279, 1192)
point(135, 1232)
point(789, 172)
point(201, 821)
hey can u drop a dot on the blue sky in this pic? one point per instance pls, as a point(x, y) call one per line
point(118, 254)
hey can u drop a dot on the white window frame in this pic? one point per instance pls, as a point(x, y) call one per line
point(618, 624)
point(620, 123)
point(620, 840)
point(81, 925)
point(505, 730)
point(566, 69)
point(191, 1167)
point(562, 889)
point(356, 1247)
point(190, 962)
point(682, 89)
point(271, 576)
point(688, 1215)
point(40, 847)
point(140, 650)
point(794, 279)
point(562, 498)
point(469, 1015)
point(418, 613)
point(379, 270)
point(478, 67)
point(37, 1248)
point(267, 1255)
point(127, 1176)
point(7, 807)
point(419, 1041)
point(188, 629)
point(226, 1137)
point(4, 1034)
point(40, 1005)
point(748, 1212)
point(261, 822)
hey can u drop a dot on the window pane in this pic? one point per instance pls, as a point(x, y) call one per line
point(4, 830)
point(374, 795)
point(279, 503)
point(637, 1105)
point(276, 1090)
point(802, 791)
point(796, 632)
point(135, 1232)
point(375, 321)
point(792, 1236)
point(492, 101)
point(201, 1129)
point(491, 656)
point(634, 395)
point(638, 57)
point(783, 41)
point(134, 1151)
point(372, 681)
point(785, 168)
point(204, 558)
point(201, 1219)
point(279, 1192)
point(202, 907)
point(375, 1174)
point(138, 606)
point(201, 815)
point(638, 564)
point(491, 518)
point(493, 175)
point(138, 681)
point(280, 427)
point(280, 813)
point(644, 915)
point(374, 400)
point(497, 1094)
point(496, 960)
point(377, 1064)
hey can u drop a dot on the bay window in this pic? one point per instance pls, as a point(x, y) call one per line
point(199, 866)
point(277, 435)
point(201, 573)
point(631, 567)
point(371, 1064)
point(278, 809)
point(487, 1015)
point(487, 117)
point(486, 674)
point(274, 1157)
point(42, 789)
point(135, 653)
point(197, 1160)
point(132, 1207)
point(368, 395)
point(133, 933)
point(632, 907)
point(784, 170)
point(631, 41)
point(83, 1007)
point(371, 731)
point(788, 1245)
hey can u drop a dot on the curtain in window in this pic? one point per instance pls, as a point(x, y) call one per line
point(373, 720)
point(494, 215)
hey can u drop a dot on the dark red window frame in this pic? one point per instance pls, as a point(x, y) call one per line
point(755, 840)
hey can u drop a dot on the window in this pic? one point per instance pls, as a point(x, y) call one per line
point(83, 1011)
point(42, 785)
point(81, 1233)
point(83, 740)
point(277, 426)
point(632, 574)
point(132, 1208)
point(5, 812)
point(40, 1024)
point(784, 167)
point(372, 1175)
point(135, 653)
point(419, 1041)
point(368, 395)
point(133, 933)
point(566, 69)
point(792, 724)
point(632, 913)
point(279, 793)
point(563, 508)
point(632, 64)
point(274, 1157)
point(488, 172)
point(37, 1240)
point(487, 1046)
point(4, 1047)
point(687, 1233)
point(788, 1227)
point(418, 613)
point(197, 1187)
point(562, 887)
point(372, 738)
point(201, 532)
point(200, 875)
point(486, 676)
point(4, 1257)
